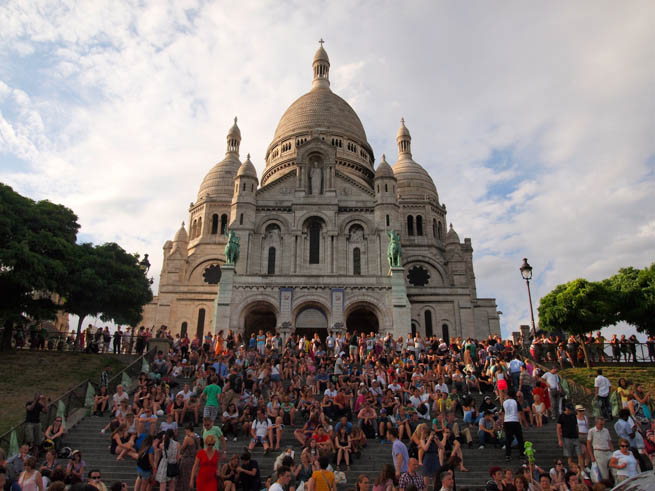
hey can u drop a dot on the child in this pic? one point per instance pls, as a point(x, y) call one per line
point(538, 409)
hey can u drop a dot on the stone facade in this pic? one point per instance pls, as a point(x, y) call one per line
point(314, 237)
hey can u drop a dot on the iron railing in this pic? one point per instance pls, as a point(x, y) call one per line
point(599, 353)
point(75, 399)
point(63, 341)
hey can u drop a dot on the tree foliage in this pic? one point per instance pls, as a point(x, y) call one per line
point(40, 261)
point(582, 306)
point(107, 281)
point(634, 291)
point(37, 240)
point(577, 307)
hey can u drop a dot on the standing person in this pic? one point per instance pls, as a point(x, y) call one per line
point(398, 452)
point(624, 462)
point(188, 452)
point(599, 446)
point(210, 394)
point(511, 424)
point(118, 337)
point(554, 391)
point(567, 436)
point(602, 388)
point(206, 467)
point(33, 411)
point(170, 455)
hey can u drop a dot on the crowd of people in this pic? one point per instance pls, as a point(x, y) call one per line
point(568, 351)
point(334, 396)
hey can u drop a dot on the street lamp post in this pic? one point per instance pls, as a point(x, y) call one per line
point(526, 274)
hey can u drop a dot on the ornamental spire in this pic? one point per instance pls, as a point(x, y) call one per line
point(321, 67)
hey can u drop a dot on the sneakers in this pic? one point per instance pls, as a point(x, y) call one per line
point(102, 431)
point(234, 439)
point(481, 447)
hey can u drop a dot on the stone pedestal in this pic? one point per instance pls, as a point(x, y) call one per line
point(223, 301)
point(402, 316)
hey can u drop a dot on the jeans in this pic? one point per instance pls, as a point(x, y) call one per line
point(605, 409)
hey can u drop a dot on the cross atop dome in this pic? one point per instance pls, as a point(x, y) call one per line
point(404, 139)
point(321, 66)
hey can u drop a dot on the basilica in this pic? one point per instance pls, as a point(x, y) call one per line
point(313, 234)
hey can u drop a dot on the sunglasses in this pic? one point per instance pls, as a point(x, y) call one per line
point(210, 444)
point(96, 478)
point(624, 446)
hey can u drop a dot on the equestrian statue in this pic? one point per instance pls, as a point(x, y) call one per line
point(394, 252)
point(232, 249)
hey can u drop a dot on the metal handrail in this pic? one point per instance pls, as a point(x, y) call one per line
point(74, 399)
point(597, 352)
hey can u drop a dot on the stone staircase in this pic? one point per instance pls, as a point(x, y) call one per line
point(94, 446)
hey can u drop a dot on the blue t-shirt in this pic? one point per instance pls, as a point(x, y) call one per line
point(399, 447)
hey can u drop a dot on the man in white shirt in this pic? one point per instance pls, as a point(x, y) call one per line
point(283, 478)
point(186, 393)
point(331, 392)
point(603, 387)
point(260, 432)
point(599, 446)
point(418, 400)
point(511, 424)
point(554, 388)
point(329, 342)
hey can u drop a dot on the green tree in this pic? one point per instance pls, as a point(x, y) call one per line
point(634, 290)
point(106, 281)
point(36, 242)
point(578, 307)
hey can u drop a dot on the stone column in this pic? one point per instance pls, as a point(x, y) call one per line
point(223, 301)
point(401, 310)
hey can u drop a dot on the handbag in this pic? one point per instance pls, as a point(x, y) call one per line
point(172, 469)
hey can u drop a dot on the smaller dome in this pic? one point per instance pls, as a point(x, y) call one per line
point(451, 236)
point(321, 55)
point(384, 169)
point(247, 169)
point(403, 132)
point(234, 131)
point(181, 235)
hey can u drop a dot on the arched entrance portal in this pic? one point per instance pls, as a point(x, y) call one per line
point(362, 319)
point(260, 316)
point(311, 320)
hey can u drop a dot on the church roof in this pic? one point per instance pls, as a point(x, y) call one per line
point(181, 235)
point(320, 108)
point(451, 236)
point(384, 169)
point(413, 179)
point(219, 181)
point(321, 55)
point(247, 169)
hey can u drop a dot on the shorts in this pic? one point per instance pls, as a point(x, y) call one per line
point(571, 447)
point(210, 412)
point(258, 441)
point(502, 384)
point(275, 377)
point(32, 433)
point(143, 474)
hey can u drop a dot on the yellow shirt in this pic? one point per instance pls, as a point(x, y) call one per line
point(323, 480)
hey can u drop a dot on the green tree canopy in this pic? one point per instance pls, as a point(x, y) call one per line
point(36, 241)
point(634, 291)
point(107, 281)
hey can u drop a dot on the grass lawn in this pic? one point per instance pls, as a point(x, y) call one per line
point(25, 372)
point(585, 376)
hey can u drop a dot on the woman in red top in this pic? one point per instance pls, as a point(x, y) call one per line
point(206, 466)
point(542, 392)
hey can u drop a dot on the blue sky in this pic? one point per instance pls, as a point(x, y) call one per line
point(535, 120)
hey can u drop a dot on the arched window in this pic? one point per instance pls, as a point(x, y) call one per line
point(241, 219)
point(445, 334)
point(244, 186)
point(414, 328)
point(199, 231)
point(386, 188)
point(439, 231)
point(434, 228)
point(428, 323)
point(183, 329)
point(419, 225)
point(271, 260)
point(193, 229)
point(387, 220)
point(357, 262)
point(314, 242)
point(223, 223)
point(200, 329)
point(214, 224)
point(410, 225)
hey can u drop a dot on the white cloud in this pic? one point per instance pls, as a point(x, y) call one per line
point(120, 108)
